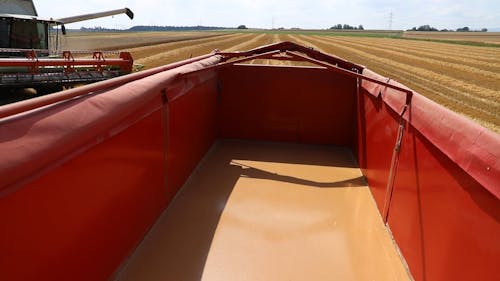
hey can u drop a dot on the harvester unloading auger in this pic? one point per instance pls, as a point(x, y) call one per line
point(30, 56)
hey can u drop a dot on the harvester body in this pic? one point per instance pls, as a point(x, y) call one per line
point(30, 55)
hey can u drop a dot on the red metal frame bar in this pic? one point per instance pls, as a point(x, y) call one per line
point(22, 106)
point(68, 62)
point(61, 62)
point(45, 51)
point(227, 63)
point(350, 73)
point(292, 49)
point(291, 46)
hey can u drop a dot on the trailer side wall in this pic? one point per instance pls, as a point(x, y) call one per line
point(83, 180)
point(444, 221)
point(94, 173)
point(306, 105)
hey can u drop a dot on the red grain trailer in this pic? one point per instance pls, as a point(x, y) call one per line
point(216, 169)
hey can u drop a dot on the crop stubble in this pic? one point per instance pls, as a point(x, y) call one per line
point(125, 40)
point(472, 89)
point(489, 37)
point(463, 78)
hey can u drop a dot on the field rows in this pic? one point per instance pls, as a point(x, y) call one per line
point(114, 41)
point(168, 53)
point(419, 66)
point(463, 78)
point(473, 66)
point(462, 89)
point(488, 37)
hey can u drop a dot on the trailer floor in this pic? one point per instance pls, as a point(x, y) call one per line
point(269, 211)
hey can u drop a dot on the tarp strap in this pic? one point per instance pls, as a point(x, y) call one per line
point(394, 163)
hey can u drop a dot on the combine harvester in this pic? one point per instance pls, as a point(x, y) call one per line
point(30, 58)
point(215, 169)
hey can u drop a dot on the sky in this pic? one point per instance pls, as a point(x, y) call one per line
point(307, 14)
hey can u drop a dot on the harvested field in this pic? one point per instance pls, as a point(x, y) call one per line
point(486, 37)
point(157, 55)
point(463, 78)
point(468, 84)
point(124, 40)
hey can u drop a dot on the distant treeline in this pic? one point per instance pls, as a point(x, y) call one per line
point(152, 28)
point(460, 29)
point(195, 28)
point(347, 27)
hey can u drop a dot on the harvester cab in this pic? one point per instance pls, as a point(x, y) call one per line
point(20, 33)
point(30, 54)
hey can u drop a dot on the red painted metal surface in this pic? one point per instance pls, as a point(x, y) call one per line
point(80, 219)
point(445, 223)
point(290, 46)
point(443, 219)
point(286, 104)
point(472, 147)
point(71, 62)
point(44, 72)
point(192, 126)
point(375, 138)
point(36, 63)
point(82, 179)
point(98, 181)
point(51, 134)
